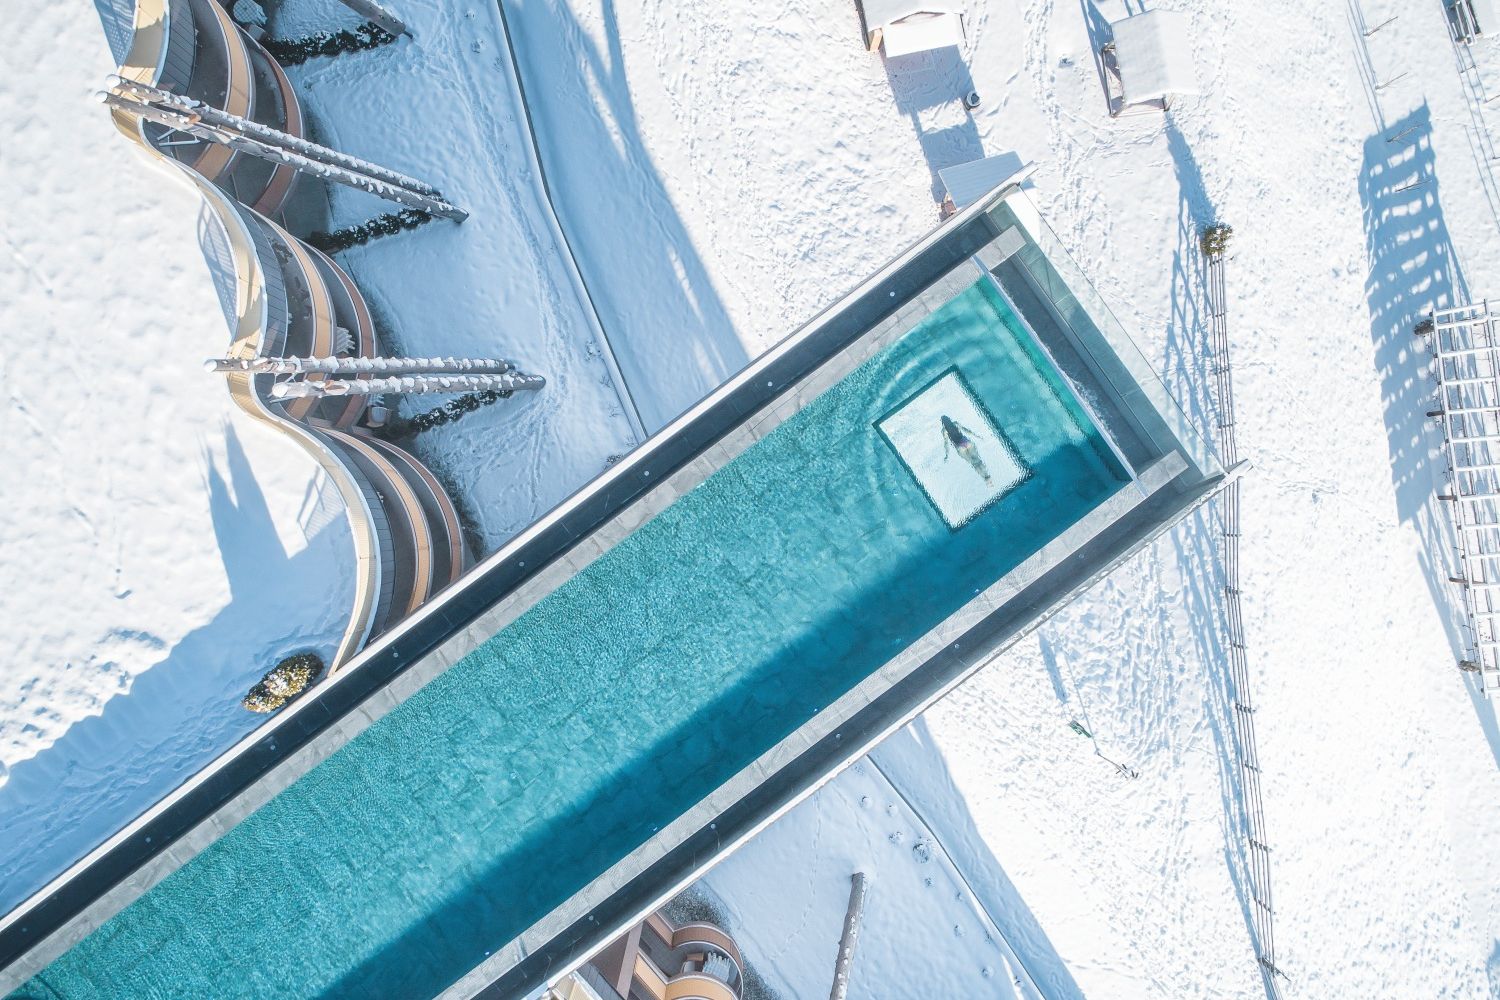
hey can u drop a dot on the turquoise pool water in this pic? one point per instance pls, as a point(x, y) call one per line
point(613, 706)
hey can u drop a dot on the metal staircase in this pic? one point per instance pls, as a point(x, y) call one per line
point(1465, 342)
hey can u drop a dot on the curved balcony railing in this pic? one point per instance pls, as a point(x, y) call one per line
point(255, 309)
point(411, 535)
point(441, 516)
point(699, 951)
point(701, 936)
point(423, 532)
point(290, 299)
point(273, 332)
point(193, 47)
point(419, 535)
point(310, 327)
point(683, 986)
point(708, 937)
point(287, 118)
point(353, 317)
point(697, 986)
point(155, 55)
point(222, 76)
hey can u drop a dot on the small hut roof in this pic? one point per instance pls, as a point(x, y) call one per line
point(922, 32)
point(1154, 56)
point(966, 183)
point(879, 13)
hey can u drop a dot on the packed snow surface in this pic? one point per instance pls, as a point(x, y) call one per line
point(161, 551)
point(923, 931)
point(445, 106)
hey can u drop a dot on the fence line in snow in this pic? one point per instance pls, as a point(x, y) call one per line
point(1243, 714)
point(1463, 33)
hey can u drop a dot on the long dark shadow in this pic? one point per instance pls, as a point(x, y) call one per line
point(1414, 269)
point(1054, 669)
point(652, 291)
point(1100, 35)
point(923, 81)
point(912, 761)
point(1189, 374)
point(175, 717)
point(118, 19)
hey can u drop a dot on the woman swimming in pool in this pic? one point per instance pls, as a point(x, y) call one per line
point(957, 435)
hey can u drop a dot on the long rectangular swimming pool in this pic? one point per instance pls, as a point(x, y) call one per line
point(635, 689)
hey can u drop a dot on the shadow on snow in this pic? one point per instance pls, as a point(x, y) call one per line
point(650, 288)
point(178, 715)
point(923, 83)
point(915, 765)
point(1197, 541)
point(1413, 269)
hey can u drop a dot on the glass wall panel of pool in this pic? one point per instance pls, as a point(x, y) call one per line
point(617, 703)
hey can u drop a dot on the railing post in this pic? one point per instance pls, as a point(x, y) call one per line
point(857, 890)
point(370, 10)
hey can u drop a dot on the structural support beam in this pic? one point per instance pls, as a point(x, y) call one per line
point(212, 125)
point(412, 384)
point(360, 366)
point(372, 11)
point(223, 120)
point(858, 889)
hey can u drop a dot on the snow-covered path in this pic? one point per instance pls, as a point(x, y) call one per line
point(443, 106)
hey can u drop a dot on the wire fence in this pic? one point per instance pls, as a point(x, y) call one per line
point(1243, 715)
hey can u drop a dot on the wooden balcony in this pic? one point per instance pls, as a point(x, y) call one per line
point(193, 47)
point(655, 958)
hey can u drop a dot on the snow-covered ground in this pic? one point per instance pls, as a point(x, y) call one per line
point(724, 170)
point(156, 543)
point(442, 105)
point(189, 546)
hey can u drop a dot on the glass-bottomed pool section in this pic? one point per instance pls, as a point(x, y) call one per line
point(634, 690)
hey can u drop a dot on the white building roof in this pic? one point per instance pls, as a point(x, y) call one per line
point(1154, 56)
point(966, 183)
point(913, 25)
point(921, 32)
